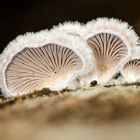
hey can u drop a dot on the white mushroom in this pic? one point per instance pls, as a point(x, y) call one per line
point(131, 71)
point(43, 60)
point(112, 42)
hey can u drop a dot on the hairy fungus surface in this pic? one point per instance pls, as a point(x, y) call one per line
point(73, 28)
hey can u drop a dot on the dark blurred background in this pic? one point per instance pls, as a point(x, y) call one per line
point(20, 16)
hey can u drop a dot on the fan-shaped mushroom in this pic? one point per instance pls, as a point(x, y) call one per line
point(111, 41)
point(43, 60)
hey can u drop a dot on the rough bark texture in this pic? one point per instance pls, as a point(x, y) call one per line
point(100, 113)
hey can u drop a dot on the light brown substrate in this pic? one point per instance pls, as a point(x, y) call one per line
point(101, 113)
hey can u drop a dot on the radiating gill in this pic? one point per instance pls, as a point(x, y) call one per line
point(109, 50)
point(131, 71)
point(50, 66)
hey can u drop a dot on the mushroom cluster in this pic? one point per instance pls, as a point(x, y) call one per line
point(69, 56)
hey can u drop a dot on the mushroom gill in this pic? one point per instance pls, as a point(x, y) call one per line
point(50, 66)
point(108, 50)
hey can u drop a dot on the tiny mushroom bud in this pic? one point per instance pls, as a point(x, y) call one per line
point(131, 71)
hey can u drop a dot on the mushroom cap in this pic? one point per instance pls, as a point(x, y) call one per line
point(31, 50)
point(73, 28)
point(131, 71)
point(112, 26)
point(112, 42)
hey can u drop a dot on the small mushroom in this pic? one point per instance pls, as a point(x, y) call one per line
point(43, 60)
point(131, 71)
point(111, 41)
